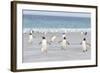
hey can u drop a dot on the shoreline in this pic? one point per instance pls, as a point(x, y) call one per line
point(27, 30)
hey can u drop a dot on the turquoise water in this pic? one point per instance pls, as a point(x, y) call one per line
point(47, 21)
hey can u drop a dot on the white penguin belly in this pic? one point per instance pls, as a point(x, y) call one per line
point(53, 38)
point(64, 44)
point(44, 45)
point(84, 45)
point(30, 38)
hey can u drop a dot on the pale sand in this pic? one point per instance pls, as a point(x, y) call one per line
point(32, 53)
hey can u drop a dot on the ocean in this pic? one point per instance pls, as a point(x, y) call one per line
point(32, 21)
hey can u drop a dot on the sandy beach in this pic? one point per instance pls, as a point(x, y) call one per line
point(32, 52)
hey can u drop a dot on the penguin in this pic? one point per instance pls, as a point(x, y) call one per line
point(53, 38)
point(84, 33)
point(32, 31)
point(64, 43)
point(30, 38)
point(84, 45)
point(44, 45)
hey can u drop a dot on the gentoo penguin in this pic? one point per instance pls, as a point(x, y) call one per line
point(53, 38)
point(44, 45)
point(84, 45)
point(30, 38)
point(32, 32)
point(84, 33)
point(64, 43)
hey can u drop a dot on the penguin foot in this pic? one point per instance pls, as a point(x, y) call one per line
point(63, 48)
point(44, 52)
point(84, 50)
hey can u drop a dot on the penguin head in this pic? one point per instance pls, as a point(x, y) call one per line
point(64, 37)
point(84, 39)
point(43, 37)
point(30, 33)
